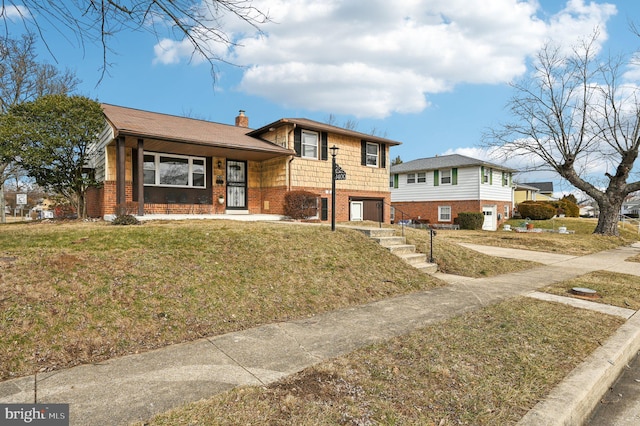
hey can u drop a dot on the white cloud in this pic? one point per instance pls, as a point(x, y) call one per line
point(372, 58)
point(14, 12)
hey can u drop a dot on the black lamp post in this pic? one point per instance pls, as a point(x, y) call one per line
point(334, 151)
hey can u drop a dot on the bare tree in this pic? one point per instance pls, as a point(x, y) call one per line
point(96, 21)
point(574, 115)
point(22, 79)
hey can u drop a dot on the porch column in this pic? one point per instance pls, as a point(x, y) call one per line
point(140, 177)
point(121, 194)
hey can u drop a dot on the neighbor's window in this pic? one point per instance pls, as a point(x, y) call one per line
point(486, 173)
point(174, 170)
point(372, 154)
point(411, 178)
point(422, 177)
point(444, 213)
point(309, 144)
point(445, 177)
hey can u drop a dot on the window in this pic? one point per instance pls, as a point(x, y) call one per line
point(422, 177)
point(198, 172)
point(372, 154)
point(444, 213)
point(506, 212)
point(486, 175)
point(445, 177)
point(391, 181)
point(505, 179)
point(411, 178)
point(309, 144)
point(149, 169)
point(174, 170)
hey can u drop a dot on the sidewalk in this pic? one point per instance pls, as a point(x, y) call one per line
point(136, 387)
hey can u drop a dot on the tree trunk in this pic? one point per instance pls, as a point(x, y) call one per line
point(609, 217)
point(3, 205)
point(3, 215)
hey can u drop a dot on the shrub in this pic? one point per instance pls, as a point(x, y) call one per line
point(300, 204)
point(536, 210)
point(470, 220)
point(125, 219)
point(568, 207)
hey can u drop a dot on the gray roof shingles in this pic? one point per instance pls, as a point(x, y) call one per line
point(443, 162)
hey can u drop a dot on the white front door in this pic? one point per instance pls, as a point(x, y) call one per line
point(490, 218)
point(357, 208)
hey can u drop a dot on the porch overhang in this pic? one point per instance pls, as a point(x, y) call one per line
point(203, 149)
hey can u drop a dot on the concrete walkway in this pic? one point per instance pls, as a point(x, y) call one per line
point(136, 387)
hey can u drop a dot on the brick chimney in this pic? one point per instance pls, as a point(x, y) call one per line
point(242, 120)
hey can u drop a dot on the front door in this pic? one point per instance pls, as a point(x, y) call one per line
point(236, 185)
point(490, 223)
point(357, 208)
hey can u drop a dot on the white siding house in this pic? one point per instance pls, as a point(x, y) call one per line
point(436, 189)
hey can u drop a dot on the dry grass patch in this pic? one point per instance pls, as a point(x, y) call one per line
point(452, 258)
point(613, 288)
point(580, 243)
point(484, 368)
point(81, 292)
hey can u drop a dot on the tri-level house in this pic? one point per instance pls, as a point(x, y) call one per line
point(163, 164)
point(436, 189)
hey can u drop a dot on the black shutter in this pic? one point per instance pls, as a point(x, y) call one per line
point(363, 153)
point(383, 156)
point(324, 209)
point(324, 146)
point(297, 141)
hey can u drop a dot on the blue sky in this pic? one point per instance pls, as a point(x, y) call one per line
point(432, 74)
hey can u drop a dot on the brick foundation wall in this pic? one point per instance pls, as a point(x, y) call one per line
point(343, 198)
point(93, 199)
point(260, 201)
point(428, 210)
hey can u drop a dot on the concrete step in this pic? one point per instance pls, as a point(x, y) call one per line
point(400, 249)
point(377, 232)
point(390, 241)
point(426, 267)
point(413, 258)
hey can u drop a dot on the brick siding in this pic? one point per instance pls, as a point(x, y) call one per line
point(428, 210)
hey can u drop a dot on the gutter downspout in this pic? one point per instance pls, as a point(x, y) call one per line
point(291, 158)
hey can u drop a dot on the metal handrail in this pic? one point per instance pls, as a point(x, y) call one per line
point(396, 210)
point(432, 231)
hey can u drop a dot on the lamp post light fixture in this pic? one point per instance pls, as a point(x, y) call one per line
point(334, 151)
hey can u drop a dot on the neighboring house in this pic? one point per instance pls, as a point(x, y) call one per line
point(587, 209)
point(631, 208)
point(436, 189)
point(154, 163)
point(524, 192)
point(545, 190)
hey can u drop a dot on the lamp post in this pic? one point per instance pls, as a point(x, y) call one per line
point(334, 151)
